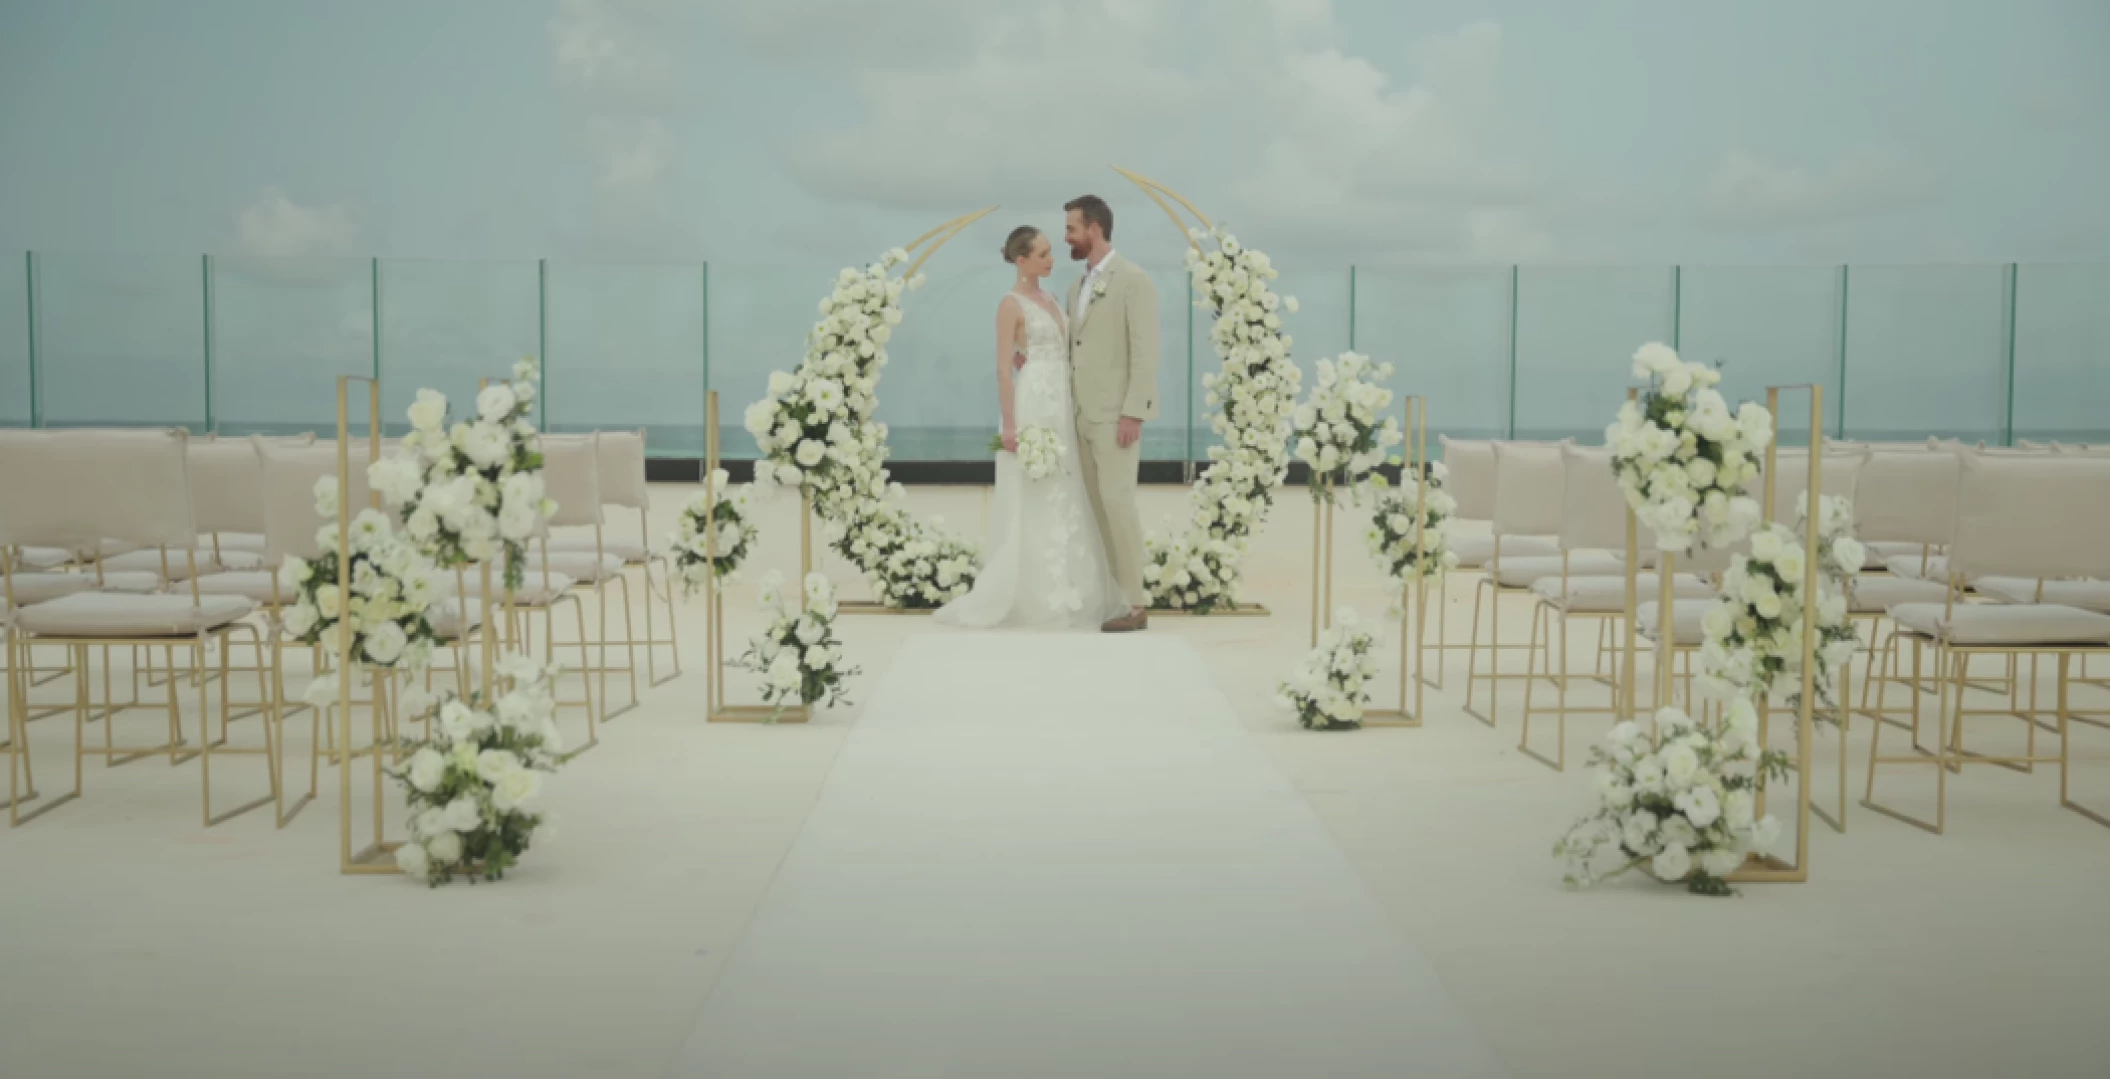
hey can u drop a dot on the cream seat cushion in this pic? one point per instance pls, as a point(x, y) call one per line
point(1607, 595)
point(1476, 549)
point(1995, 624)
point(106, 614)
point(1524, 572)
point(631, 551)
point(1684, 620)
point(179, 567)
point(1877, 595)
point(2087, 595)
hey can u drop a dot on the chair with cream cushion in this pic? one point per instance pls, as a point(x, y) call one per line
point(223, 501)
point(1527, 502)
point(1593, 518)
point(571, 475)
point(624, 486)
point(75, 489)
point(2035, 517)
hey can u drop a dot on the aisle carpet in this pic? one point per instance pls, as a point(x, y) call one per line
point(1061, 856)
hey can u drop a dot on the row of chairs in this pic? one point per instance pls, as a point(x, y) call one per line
point(168, 546)
point(2018, 586)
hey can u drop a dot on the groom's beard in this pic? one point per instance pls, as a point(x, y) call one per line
point(1079, 253)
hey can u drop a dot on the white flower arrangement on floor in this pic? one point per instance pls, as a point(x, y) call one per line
point(1685, 808)
point(1753, 633)
point(798, 656)
point(388, 609)
point(1330, 690)
point(1683, 459)
point(1398, 522)
point(472, 785)
point(1344, 430)
point(815, 432)
point(1254, 394)
point(692, 539)
point(473, 492)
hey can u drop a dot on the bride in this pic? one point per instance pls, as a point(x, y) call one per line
point(1047, 567)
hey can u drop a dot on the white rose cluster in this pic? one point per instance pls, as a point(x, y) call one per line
point(474, 491)
point(1253, 396)
point(387, 608)
point(815, 432)
point(728, 523)
point(1753, 633)
point(1330, 690)
point(1683, 458)
point(798, 656)
point(472, 785)
point(1039, 453)
point(1399, 521)
point(1684, 805)
point(1343, 431)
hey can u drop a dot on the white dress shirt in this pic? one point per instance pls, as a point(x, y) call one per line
point(1091, 278)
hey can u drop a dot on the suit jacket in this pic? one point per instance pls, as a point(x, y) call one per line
point(1114, 348)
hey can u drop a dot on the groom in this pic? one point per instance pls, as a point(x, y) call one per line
point(1114, 376)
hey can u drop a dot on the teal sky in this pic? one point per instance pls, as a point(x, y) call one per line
point(1627, 131)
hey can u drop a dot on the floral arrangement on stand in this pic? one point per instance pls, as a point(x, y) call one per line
point(1753, 634)
point(1683, 458)
point(799, 657)
point(1331, 689)
point(815, 432)
point(1400, 518)
point(1684, 807)
point(1343, 431)
point(728, 523)
point(388, 610)
point(1254, 395)
point(473, 492)
point(472, 784)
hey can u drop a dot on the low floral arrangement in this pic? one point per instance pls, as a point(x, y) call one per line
point(472, 784)
point(1330, 690)
point(388, 609)
point(1254, 394)
point(1685, 807)
point(912, 565)
point(1683, 459)
point(701, 522)
point(1753, 633)
point(473, 492)
point(1400, 519)
point(799, 657)
point(1343, 431)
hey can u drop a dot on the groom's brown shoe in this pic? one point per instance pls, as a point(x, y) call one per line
point(1134, 620)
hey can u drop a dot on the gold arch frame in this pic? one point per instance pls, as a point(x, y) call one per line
point(1157, 192)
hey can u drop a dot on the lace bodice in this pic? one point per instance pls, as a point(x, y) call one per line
point(1047, 340)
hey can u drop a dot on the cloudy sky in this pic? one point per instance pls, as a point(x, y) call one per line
point(1375, 131)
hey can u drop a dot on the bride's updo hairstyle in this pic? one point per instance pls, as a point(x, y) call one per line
point(1020, 243)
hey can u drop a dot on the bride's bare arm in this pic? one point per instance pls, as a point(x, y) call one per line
point(1008, 346)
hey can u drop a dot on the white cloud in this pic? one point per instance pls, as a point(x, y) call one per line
point(1750, 192)
point(1029, 106)
point(617, 61)
point(275, 226)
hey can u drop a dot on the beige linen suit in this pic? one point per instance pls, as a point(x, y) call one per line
point(1114, 373)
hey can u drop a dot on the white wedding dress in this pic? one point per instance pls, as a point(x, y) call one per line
point(1047, 565)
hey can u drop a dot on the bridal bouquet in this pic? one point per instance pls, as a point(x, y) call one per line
point(1253, 394)
point(471, 785)
point(1408, 536)
point(1753, 633)
point(701, 523)
point(388, 609)
point(1343, 431)
point(1331, 688)
point(1683, 458)
point(1039, 454)
point(799, 657)
point(1685, 807)
point(475, 491)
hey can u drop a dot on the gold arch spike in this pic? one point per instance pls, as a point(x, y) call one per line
point(1151, 189)
point(1174, 195)
point(944, 234)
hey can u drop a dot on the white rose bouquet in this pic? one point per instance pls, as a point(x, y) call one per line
point(1344, 430)
point(1331, 689)
point(1685, 807)
point(388, 607)
point(1753, 633)
point(1253, 394)
point(1398, 522)
point(735, 535)
point(1039, 454)
point(1683, 458)
point(473, 492)
point(799, 657)
point(472, 785)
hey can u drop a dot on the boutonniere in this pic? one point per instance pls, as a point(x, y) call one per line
point(1098, 290)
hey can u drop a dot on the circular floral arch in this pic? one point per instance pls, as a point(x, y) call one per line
point(815, 429)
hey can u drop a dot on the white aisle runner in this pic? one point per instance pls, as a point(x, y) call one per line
point(1062, 857)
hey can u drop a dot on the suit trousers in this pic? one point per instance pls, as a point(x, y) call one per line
point(1110, 479)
